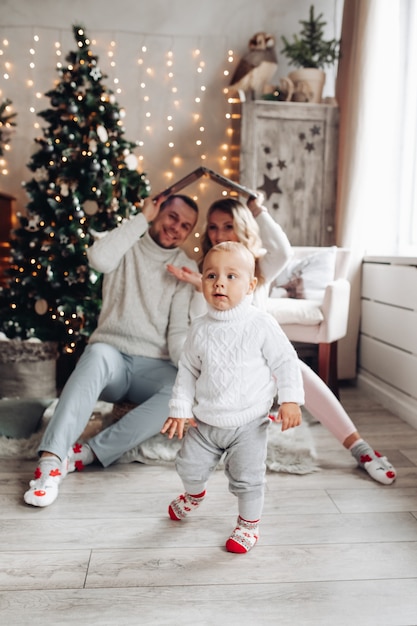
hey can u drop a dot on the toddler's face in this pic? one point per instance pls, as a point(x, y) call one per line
point(227, 279)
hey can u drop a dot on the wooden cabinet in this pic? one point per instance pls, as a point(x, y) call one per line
point(388, 333)
point(289, 151)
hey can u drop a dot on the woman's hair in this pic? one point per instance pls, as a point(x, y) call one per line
point(244, 225)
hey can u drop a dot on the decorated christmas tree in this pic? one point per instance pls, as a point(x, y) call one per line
point(85, 181)
point(6, 123)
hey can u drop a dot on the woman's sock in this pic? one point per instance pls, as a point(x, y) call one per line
point(43, 489)
point(244, 536)
point(79, 456)
point(184, 504)
point(377, 466)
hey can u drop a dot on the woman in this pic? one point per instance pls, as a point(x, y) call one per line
point(230, 220)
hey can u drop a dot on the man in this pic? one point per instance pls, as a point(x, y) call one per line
point(133, 353)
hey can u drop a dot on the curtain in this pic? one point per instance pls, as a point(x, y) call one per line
point(367, 91)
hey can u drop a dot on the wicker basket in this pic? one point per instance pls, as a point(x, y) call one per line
point(28, 369)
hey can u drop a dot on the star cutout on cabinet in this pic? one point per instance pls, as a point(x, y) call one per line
point(270, 186)
point(315, 130)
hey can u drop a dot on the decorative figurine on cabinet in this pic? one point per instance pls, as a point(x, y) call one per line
point(255, 70)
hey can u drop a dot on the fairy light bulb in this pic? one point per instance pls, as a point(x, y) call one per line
point(184, 104)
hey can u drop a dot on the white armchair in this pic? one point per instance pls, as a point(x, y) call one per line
point(321, 321)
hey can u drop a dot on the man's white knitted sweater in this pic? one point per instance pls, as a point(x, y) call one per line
point(145, 309)
point(232, 364)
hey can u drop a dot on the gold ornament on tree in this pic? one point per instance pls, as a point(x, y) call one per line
point(90, 207)
point(41, 306)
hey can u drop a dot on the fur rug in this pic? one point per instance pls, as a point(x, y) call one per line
point(291, 451)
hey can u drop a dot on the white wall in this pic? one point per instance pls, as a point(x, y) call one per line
point(180, 27)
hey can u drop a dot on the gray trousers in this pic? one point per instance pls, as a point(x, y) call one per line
point(245, 450)
point(105, 373)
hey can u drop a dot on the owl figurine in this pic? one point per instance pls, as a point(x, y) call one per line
point(256, 68)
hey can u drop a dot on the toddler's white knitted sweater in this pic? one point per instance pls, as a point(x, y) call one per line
point(232, 364)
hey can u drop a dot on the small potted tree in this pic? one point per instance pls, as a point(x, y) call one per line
point(310, 52)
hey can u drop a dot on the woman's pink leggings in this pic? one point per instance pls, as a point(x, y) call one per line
point(323, 405)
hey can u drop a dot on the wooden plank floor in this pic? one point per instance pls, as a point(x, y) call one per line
point(336, 548)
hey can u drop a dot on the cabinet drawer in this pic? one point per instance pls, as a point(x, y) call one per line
point(393, 284)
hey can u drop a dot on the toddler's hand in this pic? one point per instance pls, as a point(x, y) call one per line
point(289, 415)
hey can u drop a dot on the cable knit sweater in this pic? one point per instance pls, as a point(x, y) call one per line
point(232, 365)
point(145, 309)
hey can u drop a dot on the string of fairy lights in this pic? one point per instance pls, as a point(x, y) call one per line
point(170, 84)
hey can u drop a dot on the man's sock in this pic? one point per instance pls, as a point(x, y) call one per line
point(43, 489)
point(79, 456)
point(184, 504)
point(244, 536)
point(377, 466)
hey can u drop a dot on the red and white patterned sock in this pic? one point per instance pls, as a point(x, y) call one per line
point(244, 536)
point(43, 489)
point(79, 456)
point(377, 466)
point(184, 504)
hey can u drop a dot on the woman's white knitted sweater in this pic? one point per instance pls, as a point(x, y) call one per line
point(145, 309)
point(232, 364)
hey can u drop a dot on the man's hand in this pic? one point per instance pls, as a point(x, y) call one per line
point(175, 425)
point(186, 275)
point(151, 207)
point(289, 415)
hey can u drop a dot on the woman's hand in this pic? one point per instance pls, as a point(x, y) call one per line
point(186, 275)
point(255, 205)
point(175, 425)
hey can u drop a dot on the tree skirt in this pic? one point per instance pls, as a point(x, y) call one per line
point(291, 451)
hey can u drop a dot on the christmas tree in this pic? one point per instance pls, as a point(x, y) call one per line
point(6, 123)
point(85, 181)
point(310, 49)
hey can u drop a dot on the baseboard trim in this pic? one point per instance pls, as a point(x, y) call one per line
point(394, 400)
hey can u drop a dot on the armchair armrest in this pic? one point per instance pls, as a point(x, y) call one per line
point(335, 308)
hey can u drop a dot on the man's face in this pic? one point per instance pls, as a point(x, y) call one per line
point(173, 224)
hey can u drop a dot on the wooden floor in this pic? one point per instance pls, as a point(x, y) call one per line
point(336, 548)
